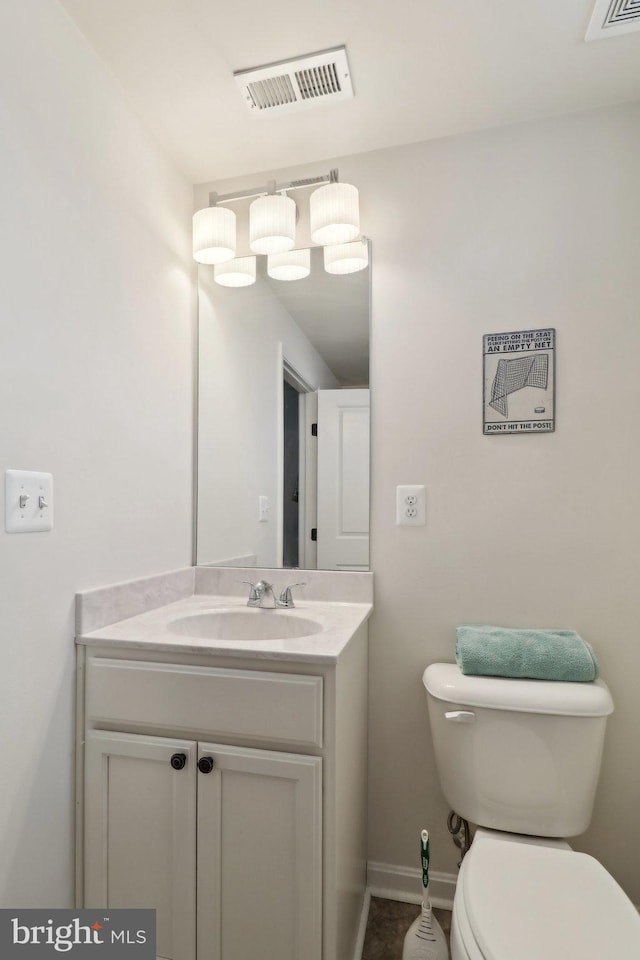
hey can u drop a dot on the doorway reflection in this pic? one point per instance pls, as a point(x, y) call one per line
point(291, 478)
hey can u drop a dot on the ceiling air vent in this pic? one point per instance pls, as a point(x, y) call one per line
point(296, 84)
point(612, 17)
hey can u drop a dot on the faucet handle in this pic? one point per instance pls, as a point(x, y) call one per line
point(286, 599)
point(258, 592)
point(255, 592)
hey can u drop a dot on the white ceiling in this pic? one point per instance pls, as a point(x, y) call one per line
point(420, 68)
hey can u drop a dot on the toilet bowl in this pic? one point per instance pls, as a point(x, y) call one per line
point(539, 901)
point(521, 759)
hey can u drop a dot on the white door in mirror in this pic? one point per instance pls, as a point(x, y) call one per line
point(343, 479)
point(28, 501)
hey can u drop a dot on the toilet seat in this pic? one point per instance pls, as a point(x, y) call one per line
point(534, 902)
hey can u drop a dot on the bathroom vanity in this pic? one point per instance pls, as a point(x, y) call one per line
point(222, 767)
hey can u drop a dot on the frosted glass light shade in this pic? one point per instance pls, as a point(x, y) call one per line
point(272, 224)
point(214, 235)
point(346, 257)
point(334, 212)
point(293, 265)
point(240, 272)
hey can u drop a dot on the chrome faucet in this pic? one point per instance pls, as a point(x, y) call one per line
point(261, 591)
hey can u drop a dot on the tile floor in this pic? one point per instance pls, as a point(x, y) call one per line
point(388, 922)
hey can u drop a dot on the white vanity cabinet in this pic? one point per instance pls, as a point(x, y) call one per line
point(229, 795)
point(219, 854)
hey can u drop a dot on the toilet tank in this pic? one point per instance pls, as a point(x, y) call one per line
point(517, 755)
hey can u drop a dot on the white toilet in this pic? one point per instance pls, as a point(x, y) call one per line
point(521, 758)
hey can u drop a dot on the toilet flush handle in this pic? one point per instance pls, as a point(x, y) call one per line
point(460, 716)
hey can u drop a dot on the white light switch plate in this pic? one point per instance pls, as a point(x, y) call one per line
point(34, 512)
point(264, 510)
point(411, 503)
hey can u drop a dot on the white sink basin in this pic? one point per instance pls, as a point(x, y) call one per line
point(244, 625)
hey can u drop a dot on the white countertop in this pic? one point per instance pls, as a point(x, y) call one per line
point(151, 630)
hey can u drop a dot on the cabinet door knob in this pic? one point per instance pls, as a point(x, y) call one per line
point(205, 764)
point(179, 761)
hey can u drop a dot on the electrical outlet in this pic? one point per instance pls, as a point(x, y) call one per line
point(411, 505)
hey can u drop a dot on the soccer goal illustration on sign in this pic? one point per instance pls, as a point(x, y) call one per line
point(514, 375)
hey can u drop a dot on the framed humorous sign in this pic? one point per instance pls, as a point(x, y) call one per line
point(519, 382)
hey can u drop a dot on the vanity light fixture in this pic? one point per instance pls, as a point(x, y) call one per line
point(293, 265)
point(334, 213)
point(344, 258)
point(214, 235)
point(240, 272)
point(334, 221)
point(272, 224)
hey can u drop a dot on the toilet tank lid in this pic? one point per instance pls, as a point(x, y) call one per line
point(445, 681)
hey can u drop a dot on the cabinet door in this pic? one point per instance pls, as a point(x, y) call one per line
point(259, 855)
point(140, 832)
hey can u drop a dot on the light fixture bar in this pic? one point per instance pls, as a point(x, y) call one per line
point(272, 187)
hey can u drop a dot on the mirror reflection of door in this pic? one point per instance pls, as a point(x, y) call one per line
point(328, 471)
point(291, 477)
point(343, 480)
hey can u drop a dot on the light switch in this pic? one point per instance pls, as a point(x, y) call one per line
point(28, 501)
point(264, 509)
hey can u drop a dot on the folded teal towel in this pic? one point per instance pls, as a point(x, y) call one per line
point(535, 654)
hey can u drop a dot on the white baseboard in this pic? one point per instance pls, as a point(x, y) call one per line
point(362, 926)
point(404, 883)
point(392, 882)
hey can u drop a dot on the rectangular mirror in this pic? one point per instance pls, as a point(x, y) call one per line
point(283, 421)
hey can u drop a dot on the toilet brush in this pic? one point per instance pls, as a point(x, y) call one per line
point(424, 939)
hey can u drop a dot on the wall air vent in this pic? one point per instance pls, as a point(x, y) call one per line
point(612, 17)
point(296, 84)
